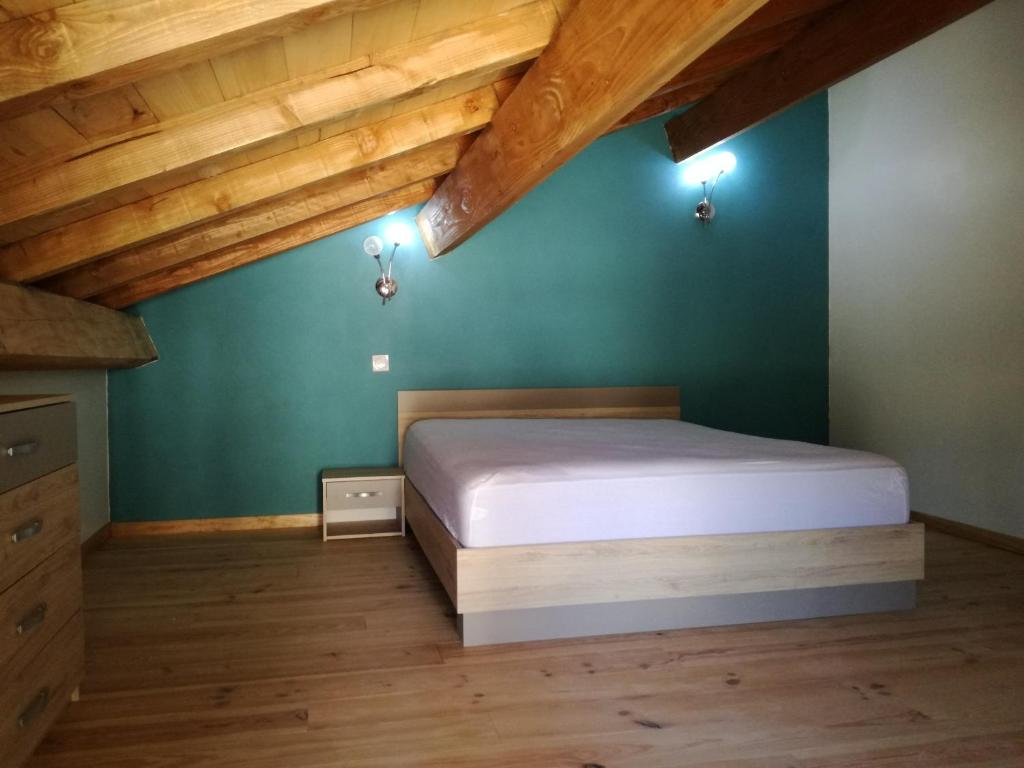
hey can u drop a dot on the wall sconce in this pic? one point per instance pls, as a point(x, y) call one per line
point(397, 234)
point(703, 170)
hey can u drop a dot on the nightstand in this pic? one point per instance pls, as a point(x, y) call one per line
point(365, 501)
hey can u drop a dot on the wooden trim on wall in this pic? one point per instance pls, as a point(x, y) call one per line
point(1005, 541)
point(96, 541)
point(215, 525)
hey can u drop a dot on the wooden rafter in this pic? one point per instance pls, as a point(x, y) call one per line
point(81, 242)
point(107, 274)
point(490, 45)
point(94, 45)
point(606, 59)
point(247, 252)
point(849, 38)
point(40, 330)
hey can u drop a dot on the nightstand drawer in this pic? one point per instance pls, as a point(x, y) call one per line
point(40, 603)
point(34, 442)
point(35, 520)
point(363, 501)
point(362, 494)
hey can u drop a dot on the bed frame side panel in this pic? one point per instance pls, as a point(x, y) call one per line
point(435, 541)
point(537, 576)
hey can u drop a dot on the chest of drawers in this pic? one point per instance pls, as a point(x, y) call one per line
point(41, 642)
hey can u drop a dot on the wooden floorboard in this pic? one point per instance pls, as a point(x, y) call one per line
point(276, 650)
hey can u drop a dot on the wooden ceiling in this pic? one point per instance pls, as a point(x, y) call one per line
point(148, 144)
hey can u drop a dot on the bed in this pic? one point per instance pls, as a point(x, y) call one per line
point(566, 512)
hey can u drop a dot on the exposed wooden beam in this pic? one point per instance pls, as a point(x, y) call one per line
point(854, 35)
point(270, 244)
point(492, 44)
point(735, 52)
point(662, 103)
point(84, 241)
point(91, 46)
point(606, 58)
point(777, 12)
point(104, 275)
point(40, 330)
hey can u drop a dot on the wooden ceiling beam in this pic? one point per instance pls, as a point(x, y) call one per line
point(107, 274)
point(852, 36)
point(261, 247)
point(735, 52)
point(489, 45)
point(91, 46)
point(83, 241)
point(777, 12)
point(606, 58)
point(663, 103)
point(40, 330)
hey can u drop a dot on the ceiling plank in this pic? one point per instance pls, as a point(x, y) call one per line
point(606, 58)
point(40, 330)
point(104, 275)
point(83, 241)
point(490, 45)
point(261, 247)
point(853, 36)
point(96, 45)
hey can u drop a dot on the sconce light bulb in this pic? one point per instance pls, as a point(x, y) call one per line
point(398, 233)
point(373, 245)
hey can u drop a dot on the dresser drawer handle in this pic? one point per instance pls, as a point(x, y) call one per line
point(32, 619)
point(35, 708)
point(361, 494)
point(22, 449)
point(27, 531)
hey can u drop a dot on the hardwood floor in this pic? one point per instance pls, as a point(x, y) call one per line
point(278, 651)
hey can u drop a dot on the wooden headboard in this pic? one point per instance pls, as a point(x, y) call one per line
point(589, 403)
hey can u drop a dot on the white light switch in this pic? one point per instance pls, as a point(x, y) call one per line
point(381, 364)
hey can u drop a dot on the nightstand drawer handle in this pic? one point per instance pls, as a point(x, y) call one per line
point(361, 494)
point(27, 531)
point(22, 449)
point(35, 709)
point(32, 619)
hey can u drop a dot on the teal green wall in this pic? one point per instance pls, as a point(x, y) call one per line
point(599, 277)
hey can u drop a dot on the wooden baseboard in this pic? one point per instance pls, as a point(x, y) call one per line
point(964, 531)
point(95, 541)
point(216, 525)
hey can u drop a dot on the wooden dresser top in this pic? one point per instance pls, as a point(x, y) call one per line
point(21, 402)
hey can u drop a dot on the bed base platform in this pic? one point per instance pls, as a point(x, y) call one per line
point(547, 591)
point(492, 627)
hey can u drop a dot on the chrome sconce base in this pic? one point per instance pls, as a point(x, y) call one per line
point(386, 288)
point(705, 211)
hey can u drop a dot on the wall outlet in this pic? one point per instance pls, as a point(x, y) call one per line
point(380, 363)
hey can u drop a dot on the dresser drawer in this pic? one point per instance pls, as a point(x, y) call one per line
point(35, 442)
point(35, 520)
point(40, 603)
point(362, 494)
point(34, 691)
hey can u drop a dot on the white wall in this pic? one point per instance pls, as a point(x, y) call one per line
point(926, 219)
point(90, 391)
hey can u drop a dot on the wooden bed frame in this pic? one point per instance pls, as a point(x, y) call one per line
point(506, 594)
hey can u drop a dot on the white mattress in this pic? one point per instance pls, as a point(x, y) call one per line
point(500, 482)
